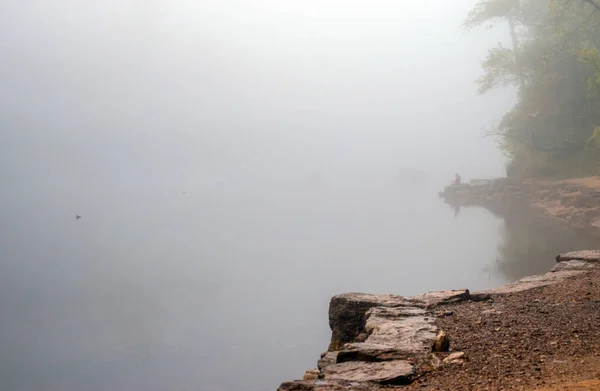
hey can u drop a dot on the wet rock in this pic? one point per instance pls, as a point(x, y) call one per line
point(442, 342)
point(388, 372)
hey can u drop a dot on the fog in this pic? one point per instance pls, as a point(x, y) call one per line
point(235, 164)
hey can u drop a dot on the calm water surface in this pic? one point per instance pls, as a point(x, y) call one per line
point(218, 289)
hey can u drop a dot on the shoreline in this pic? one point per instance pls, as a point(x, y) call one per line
point(395, 342)
point(574, 202)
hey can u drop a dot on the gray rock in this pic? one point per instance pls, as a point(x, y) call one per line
point(392, 335)
point(347, 314)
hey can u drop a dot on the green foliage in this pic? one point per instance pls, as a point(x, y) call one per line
point(499, 69)
point(486, 11)
point(553, 129)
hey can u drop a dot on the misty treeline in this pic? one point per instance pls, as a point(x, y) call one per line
point(553, 60)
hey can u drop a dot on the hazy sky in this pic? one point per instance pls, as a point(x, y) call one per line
point(156, 93)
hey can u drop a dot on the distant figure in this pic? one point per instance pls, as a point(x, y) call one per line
point(456, 181)
point(77, 217)
point(456, 209)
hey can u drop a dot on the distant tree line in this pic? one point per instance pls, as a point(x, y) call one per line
point(553, 130)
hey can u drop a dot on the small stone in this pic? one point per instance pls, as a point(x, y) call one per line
point(456, 357)
point(441, 343)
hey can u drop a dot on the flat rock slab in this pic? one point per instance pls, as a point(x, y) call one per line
point(388, 372)
point(372, 300)
point(348, 314)
point(443, 297)
point(530, 283)
point(574, 265)
point(406, 336)
point(585, 255)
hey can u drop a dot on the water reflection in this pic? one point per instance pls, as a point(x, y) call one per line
point(529, 241)
point(532, 235)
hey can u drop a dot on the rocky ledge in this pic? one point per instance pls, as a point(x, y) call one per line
point(427, 341)
point(575, 201)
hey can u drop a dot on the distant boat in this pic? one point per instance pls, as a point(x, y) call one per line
point(77, 217)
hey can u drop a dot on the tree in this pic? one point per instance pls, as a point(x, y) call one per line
point(555, 65)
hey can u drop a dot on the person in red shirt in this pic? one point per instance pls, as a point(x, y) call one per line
point(456, 180)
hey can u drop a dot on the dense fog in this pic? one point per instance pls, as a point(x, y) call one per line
point(234, 164)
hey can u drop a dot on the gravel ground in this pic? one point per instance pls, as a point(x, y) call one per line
point(539, 338)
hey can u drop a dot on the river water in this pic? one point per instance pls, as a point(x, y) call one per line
point(228, 289)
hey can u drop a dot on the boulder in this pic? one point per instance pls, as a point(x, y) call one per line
point(392, 335)
point(347, 314)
